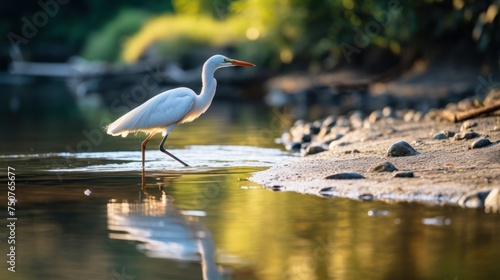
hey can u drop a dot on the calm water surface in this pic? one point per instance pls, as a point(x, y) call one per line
point(81, 216)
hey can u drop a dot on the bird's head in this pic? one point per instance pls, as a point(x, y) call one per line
point(222, 61)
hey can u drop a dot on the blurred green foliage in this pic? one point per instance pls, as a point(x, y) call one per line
point(103, 45)
point(328, 32)
point(317, 33)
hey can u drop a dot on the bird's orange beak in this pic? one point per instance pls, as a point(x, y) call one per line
point(241, 63)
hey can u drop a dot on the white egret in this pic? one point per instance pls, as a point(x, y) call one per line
point(163, 112)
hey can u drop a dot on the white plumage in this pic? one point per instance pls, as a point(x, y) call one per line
point(170, 108)
point(167, 108)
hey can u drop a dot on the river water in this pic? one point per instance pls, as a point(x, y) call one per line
point(80, 214)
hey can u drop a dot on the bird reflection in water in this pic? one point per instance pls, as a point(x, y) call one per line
point(164, 231)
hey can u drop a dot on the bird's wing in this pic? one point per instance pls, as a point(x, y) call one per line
point(158, 112)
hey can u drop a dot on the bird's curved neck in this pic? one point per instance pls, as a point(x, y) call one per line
point(208, 89)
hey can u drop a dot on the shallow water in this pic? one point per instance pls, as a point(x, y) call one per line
point(80, 214)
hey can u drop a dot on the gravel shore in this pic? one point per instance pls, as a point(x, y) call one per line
point(443, 167)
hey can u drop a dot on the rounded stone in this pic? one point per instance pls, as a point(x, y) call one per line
point(403, 174)
point(468, 124)
point(388, 112)
point(311, 150)
point(345, 176)
point(384, 166)
point(480, 143)
point(465, 135)
point(294, 147)
point(375, 116)
point(401, 149)
point(440, 136)
point(448, 133)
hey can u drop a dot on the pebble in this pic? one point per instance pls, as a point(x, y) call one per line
point(492, 201)
point(366, 197)
point(343, 121)
point(496, 128)
point(335, 144)
point(326, 191)
point(418, 116)
point(384, 166)
point(306, 138)
point(403, 174)
point(276, 188)
point(311, 129)
point(333, 136)
point(294, 147)
point(329, 122)
point(401, 149)
point(480, 143)
point(408, 117)
point(345, 176)
point(467, 124)
point(465, 135)
point(448, 133)
point(311, 150)
point(440, 136)
point(388, 112)
point(375, 116)
point(473, 200)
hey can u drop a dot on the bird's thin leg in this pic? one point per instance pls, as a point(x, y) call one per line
point(143, 158)
point(169, 154)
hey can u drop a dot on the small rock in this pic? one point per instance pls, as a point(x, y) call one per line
point(335, 144)
point(465, 135)
point(467, 124)
point(496, 128)
point(306, 138)
point(354, 151)
point(492, 201)
point(294, 147)
point(403, 174)
point(384, 166)
point(276, 188)
point(474, 199)
point(345, 176)
point(333, 137)
point(329, 122)
point(375, 116)
point(328, 191)
point(311, 129)
point(388, 112)
point(480, 143)
point(408, 117)
point(343, 121)
point(448, 133)
point(366, 197)
point(440, 136)
point(418, 116)
point(311, 150)
point(401, 149)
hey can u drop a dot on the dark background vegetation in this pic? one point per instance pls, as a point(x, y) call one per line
point(297, 34)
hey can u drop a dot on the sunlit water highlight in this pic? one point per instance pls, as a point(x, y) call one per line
point(81, 215)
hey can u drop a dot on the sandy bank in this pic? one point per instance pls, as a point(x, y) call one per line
point(446, 171)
